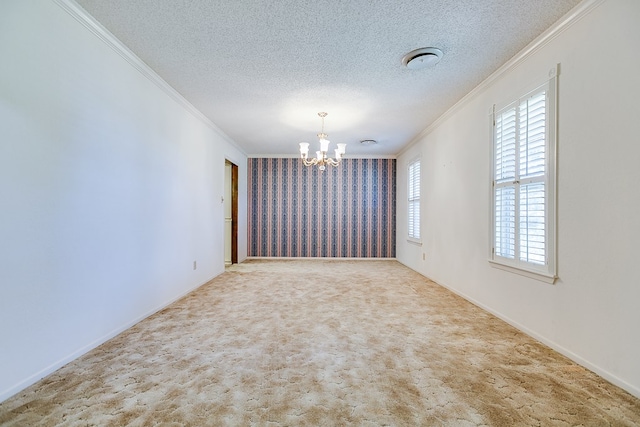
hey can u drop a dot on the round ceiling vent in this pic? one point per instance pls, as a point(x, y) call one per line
point(422, 58)
point(368, 141)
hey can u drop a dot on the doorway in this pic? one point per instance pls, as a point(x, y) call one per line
point(230, 213)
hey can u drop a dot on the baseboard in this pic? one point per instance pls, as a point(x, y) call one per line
point(322, 258)
point(549, 343)
point(17, 388)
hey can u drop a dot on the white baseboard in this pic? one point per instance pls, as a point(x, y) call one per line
point(322, 258)
point(549, 343)
point(16, 388)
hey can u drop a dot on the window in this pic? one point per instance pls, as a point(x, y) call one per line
point(523, 184)
point(413, 178)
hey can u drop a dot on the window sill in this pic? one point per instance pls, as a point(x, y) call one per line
point(537, 275)
point(414, 242)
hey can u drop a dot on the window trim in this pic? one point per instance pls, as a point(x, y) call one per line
point(547, 272)
point(410, 163)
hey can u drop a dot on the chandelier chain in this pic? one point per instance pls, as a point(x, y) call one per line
point(322, 134)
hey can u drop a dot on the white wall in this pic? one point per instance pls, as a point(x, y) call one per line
point(110, 188)
point(592, 313)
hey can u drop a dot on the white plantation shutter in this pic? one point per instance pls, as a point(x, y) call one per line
point(505, 222)
point(532, 135)
point(505, 150)
point(414, 199)
point(505, 196)
point(532, 224)
point(523, 181)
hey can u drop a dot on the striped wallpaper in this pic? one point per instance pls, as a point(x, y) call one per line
point(299, 211)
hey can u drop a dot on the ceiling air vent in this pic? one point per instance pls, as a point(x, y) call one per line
point(422, 58)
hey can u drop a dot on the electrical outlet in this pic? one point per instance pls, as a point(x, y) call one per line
point(195, 265)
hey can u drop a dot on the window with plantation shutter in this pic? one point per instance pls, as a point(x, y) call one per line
point(523, 184)
point(414, 199)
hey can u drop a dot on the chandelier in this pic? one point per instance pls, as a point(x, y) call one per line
point(321, 159)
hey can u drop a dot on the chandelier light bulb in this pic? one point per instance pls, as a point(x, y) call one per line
point(324, 145)
point(304, 149)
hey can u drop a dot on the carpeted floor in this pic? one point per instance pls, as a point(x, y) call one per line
point(367, 343)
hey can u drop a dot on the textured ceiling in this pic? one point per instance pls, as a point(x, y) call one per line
point(262, 70)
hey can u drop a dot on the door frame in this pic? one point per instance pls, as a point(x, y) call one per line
point(234, 210)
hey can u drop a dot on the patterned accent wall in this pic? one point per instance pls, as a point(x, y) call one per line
point(299, 211)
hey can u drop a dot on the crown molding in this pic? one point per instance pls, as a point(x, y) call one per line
point(294, 156)
point(574, 15)
point(83, 17)
point(273, 156)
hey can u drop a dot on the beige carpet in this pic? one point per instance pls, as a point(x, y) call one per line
point(367, 343)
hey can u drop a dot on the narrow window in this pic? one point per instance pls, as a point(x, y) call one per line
point(523, 184)
point(414, 199)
